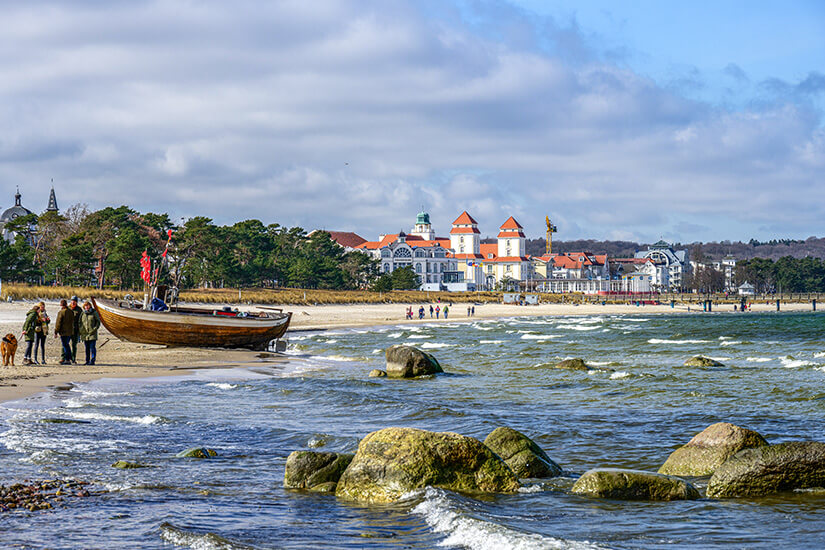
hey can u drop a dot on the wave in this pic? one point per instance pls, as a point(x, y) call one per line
point(434, 345)
point(418, 336)
point(618, 375)
point(222, 385)
point(791, 363)
point(470, 532)
point(758, 359)
point(342, 358)
point(577, 327)
point(145, 419)
point(678, 342)
point(491, 341)
point(731, 343)
point(819, 354)
point(539, 336)
point(198, 541)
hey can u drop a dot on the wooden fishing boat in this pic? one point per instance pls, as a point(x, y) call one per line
point(193, 327)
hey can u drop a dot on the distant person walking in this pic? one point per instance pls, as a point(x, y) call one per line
point(29, 332)
point(446, 311)
point(41, 332)
point(437, 311)
point(431, 311)
point(421, 312)
point(468, 311)
point(64, 328)
point(76, 311)
point(474, 311)
point(89, 325)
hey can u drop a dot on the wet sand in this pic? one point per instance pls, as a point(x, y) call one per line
point(116, 359)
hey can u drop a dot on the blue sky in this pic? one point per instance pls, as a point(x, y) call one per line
point(640, 120)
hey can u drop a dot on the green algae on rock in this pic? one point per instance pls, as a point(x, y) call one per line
point(573, 364)
point(521, 454)
point(125, 465)
point(709, 449)
point(702, 361)
point(633, 485)
point(378, 373)
point(770, 469)
point(394, 461)
point(196, 452)
point(409, 362)
point(311, 469)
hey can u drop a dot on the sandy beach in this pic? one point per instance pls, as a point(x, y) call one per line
point(118, 359)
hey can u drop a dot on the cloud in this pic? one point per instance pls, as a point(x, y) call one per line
point(353, 115)
point(736, 73)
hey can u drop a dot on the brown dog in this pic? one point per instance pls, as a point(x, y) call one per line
point(8, 348)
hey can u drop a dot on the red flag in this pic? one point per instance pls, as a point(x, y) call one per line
point(146, 265)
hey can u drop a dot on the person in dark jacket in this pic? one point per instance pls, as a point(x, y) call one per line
point(64, 328)
point(89, 324)
point(41, 333)
point(28, 333)
point(76, 310)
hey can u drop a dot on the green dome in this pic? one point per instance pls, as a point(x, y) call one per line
point(422, 217)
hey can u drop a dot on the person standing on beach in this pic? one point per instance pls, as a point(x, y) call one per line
point(64, 328)
point(437, 311)
point(431, 311)
point(41, 332)
point(29, 333)
point(76, 310)
point(89, 324)
point(446, 311)
point(468, 311)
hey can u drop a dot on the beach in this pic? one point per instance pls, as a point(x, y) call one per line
point(117, 359)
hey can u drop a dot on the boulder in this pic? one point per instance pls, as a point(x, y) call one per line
point(311, 469)
point(770, 469)
point(196, 452)
point(700, 361)
point(409, 362)
point(377, 373)
point(633, 485)
point(521, 454)
point(708, 449)
point(573, 364)
point(394, 461)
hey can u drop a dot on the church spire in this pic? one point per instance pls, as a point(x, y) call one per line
point(52, 202)
point(17, 197)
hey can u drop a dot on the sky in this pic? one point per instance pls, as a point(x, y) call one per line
point(636, 121)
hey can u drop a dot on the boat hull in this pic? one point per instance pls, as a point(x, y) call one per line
point(190, 330)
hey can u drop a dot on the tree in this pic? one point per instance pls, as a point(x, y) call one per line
point(404, 278)
point(16, 262)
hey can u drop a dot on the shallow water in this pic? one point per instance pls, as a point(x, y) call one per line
point(632, 412)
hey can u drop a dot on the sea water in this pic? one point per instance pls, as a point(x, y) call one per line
point(632, 411)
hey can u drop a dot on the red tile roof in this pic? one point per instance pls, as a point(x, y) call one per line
point(347, 239)
point(413, 240)
point(461, 230)
point(511, 223)
point(465, 219)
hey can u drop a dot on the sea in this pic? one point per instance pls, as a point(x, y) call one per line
point(637, 406)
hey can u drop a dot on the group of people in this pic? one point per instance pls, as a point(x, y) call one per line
point(433, 310)
point(73, 324)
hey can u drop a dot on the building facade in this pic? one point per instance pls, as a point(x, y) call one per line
point(676, 262)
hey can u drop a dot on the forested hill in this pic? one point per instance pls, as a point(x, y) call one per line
point(812, 246)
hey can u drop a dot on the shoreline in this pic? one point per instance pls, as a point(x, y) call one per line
point(128, 360)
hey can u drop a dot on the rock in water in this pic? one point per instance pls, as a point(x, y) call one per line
point(409, 362)
point(377, 373)
point(572, 364)
point(311, 470)
point(394, 461)
point(708, 449)
point(700, 361)
point(770, 469)
point(196, 452)
point(521, 454)
point(633, 485)
point(125, 465)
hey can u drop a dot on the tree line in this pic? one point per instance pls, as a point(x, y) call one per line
point(103, 248)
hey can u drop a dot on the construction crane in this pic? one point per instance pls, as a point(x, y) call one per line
point(550, 230)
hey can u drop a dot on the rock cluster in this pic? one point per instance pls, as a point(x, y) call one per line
point(197, 452)
point(409, 362)
point(701, 361)
point(40, 495)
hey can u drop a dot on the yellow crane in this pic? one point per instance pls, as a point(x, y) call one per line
point(550, 230)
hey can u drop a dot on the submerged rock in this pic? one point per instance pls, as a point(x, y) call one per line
point(709, 449)
point(521, 454)
point(196, 452)
point(770, 469)
point(311, 469)
point(394, 461)
point(377, 373)
point(409, 362)
point(124, 465)
point(63, 421)
point(701, 361)
point(633, 485)
point(573, 364)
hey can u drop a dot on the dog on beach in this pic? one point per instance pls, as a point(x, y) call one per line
point(8, 348)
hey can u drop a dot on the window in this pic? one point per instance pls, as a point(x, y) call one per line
point(385, 253)
point(418, 268)
point(420, 253)
point(403, 252)
point(507, 245)
point(386, 268)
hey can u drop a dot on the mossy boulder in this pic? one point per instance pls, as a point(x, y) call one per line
point(196, 452)
point(311, 469)
point(521, 454)
point(709, 449)
point(703, 362)
point(394, 461)
point(378, 373)
point(125, 465)
point(633, 485)
point(63, 421)
point(409, 362)
point(770, 469)
point(573, 364)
